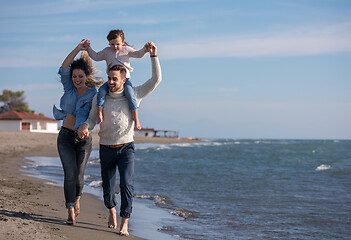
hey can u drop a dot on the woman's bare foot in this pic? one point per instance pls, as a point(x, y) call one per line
point(77, 207)
point(124, 227)
point(71, 218)
point(112, 219)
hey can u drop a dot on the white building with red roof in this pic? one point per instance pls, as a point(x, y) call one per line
point(23, 121)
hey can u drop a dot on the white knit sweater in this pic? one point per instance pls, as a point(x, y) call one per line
point(118, 126)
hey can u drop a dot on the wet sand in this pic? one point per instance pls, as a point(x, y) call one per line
point(32, 209)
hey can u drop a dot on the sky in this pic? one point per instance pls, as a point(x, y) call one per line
point(262, 69)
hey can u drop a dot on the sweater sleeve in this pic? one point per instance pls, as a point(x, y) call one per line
point(146, 88)
point(93, 116)
point(97, 56)
point(137, 53)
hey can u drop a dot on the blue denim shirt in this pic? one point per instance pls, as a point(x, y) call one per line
point(71, 103)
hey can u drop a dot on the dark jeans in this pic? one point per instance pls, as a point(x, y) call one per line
point(123, 158)
point(74, 153)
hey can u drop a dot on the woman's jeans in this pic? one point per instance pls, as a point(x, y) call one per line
point(123, 158)
point(74, 153)
point(128, 92)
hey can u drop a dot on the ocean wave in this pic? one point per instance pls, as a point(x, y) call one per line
point(38, 161)
point(94, 162)
point(182, 144)
point(323, 167)
point(184, 213)
point(164, 202)
point(143, 146)
point(95, 184)
point(160, 147)
point(163, 147)
point(160, 201)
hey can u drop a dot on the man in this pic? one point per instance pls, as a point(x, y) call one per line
point(116, 138)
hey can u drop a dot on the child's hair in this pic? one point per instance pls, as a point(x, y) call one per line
point(113, 34)
point(86, 65)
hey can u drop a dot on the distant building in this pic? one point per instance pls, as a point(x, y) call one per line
point(150, 132)
point(23, 121)
point(166, 133)
point(146, 132)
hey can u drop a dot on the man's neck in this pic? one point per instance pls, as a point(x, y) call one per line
point(117, 92)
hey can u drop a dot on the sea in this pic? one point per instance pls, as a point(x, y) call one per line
point(232, 188)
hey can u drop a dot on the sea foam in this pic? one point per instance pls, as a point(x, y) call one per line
point(323, 167)
point(95, 184)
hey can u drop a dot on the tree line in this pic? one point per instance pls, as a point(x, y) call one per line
point(14, 101)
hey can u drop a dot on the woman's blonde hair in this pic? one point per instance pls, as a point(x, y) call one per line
point(92, 79)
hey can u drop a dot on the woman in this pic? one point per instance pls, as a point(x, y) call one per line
point(79, 84)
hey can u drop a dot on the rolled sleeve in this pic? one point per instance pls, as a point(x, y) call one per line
point(66, 78)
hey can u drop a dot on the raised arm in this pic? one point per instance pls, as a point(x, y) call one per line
point(69, 59)
point(97, 56)
point(146, 88)
point(138, 53)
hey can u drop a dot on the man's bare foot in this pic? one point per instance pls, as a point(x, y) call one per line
point(71, 218)
point(112, 219)
point(77, 207)
point(124, 227)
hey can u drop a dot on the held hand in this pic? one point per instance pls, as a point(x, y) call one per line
point(81, 45)
point(146, 46)
point(152, 49)
point(86, 44)
point(83, 131)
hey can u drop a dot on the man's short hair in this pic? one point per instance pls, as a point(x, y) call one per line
point(119, 68)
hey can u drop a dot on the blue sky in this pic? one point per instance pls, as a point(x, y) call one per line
point(231, 69)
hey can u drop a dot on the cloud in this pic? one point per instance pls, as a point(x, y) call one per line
point(229, 90)
point(296, 42)
point(47, 8)
point(31, 87)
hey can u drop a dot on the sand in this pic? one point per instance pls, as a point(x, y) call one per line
point(30, 208)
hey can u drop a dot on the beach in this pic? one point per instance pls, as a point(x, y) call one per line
point(32, 208)
point(253, 189)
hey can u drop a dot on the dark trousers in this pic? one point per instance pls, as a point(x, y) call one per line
point(123, 158)
point(74, 154)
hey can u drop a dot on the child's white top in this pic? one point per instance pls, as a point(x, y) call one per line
point(122, 56)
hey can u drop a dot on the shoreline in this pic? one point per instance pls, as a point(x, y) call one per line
point(32, 209)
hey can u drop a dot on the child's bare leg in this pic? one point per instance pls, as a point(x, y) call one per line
point(99, 109)
point(124, 227)
point(136, 119)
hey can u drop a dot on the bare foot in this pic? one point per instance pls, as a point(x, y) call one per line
point(71, 218)
point(77, 207)
point(112, 220)
point(124, 227)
